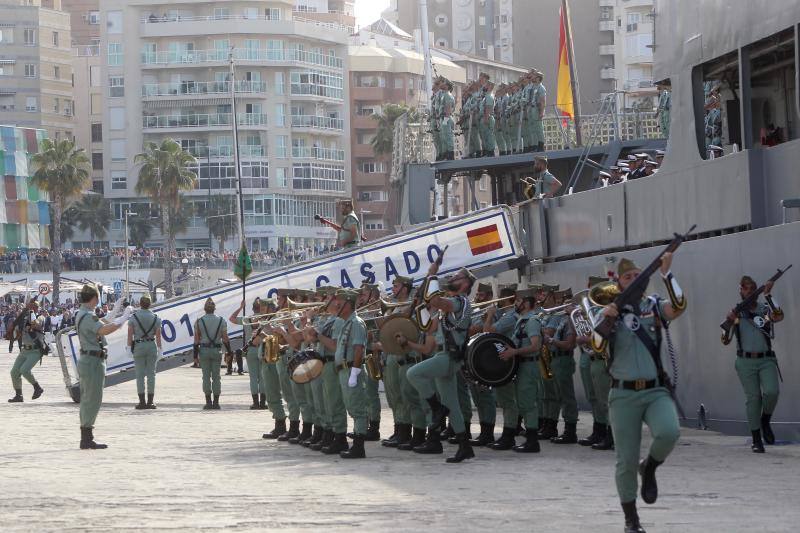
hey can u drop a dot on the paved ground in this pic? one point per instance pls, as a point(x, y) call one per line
point(183, 469)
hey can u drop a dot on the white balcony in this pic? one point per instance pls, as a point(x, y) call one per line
point(243, 56)
point(644, 59)
point(608, 49)
point(226, 152)
point(320, 154)
point(204, 121)
point(320, 124)
point(314, 92)
point(608, 3)
point(608, 74)
point(608, 25)
point(189, 89)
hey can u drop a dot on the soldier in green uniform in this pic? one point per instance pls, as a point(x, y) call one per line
point(638, 392)
point(664, 109)
point(447, 107)
point(298, 393)
point(548, 390)
point(271, 381)
point(367, 294)
point(547, 185)
point(315, 318)
point(561, 346)
point(252, 354)
point(499, 125)
point(210, 334)
point(439, 372)
point(92, 363)
point(756, 363)
point(350, 233)
point(433, 119)
point(144, 343)
point(476, 149)
point(281, 367)
point(536, 112)
point(486, 118)
point(526, 114)
point(514, 122)
point(30, 352)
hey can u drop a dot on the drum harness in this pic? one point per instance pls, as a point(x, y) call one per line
point(450, 345)
point(327, 331)
point(345, 336)
point(212, 343)
point(146, 332)
point(766, 329)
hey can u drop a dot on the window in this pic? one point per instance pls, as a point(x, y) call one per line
point(272, 13)
point(606, 13)
point(222, 13)
point(93, 18)
point(116, 118)
point(280, 82)
point(68, 108)
point(96, 104)
point(250, 13)
point(119, 180)
point(6, 70)
point(94, 76)
point(114, 22)
point(442, 42)
point(97, 160)
point(281, 174)
point(114, 54)
point(56, 105)
point(464, 46)
point(372, 167)
point(280, 146)
point(97, 132)
point(116, 86)
point(481, 21)
point(373, 196)
point(57, 72)
point(482, 45)
point(634, 18)
point(398, 83)
point(280, 115)
point(29, 35)
point(371, 81)
point(30, 71)
point(55, 38)
point(118, 150)
point(31, 104)
point(7, 35)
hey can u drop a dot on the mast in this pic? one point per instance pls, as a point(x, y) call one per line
point(426, 51)
point(237, 169)
point(573, 72)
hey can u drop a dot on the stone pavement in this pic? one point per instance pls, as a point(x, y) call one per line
point(179, 468)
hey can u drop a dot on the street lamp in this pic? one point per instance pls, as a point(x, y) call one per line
point(127, 255)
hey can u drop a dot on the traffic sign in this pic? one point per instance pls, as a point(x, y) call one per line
point(118, 288)
point(44, 288)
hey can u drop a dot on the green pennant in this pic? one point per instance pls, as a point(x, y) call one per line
point(244, 267)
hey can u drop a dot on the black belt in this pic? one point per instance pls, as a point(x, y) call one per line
point(344, 365)
point(136, 341)
point(328, 358)
point(95, 353)
point(210, 345)
point(401, 362)
point(637, 385)
point(561, 354)
point(596, 358)
point(28, 347)
point(528, 358)
point(754, 355)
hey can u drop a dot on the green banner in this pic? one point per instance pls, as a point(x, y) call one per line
point(244, 267)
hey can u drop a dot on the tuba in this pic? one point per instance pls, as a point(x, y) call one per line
point(545, 360)
point(272, 349)
point(374, 367)
point(604, 294)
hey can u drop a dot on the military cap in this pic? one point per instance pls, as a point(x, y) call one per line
point(747, 280)
point(626, 265)
point(642, 156)
point(403, 280)
point(550, 288)
point(530, 292)
point(594, 280)
point(540, 157)
point(484, 75)
point(631, 157)
point(469, 275)
point(613, 167)
point(286, 292)
point(485, 287)
point(327, 290)
point(349, 295)
point(370, 286)
point(345, 201)
point(659, 153)
point(88, 291)
point(606, 175)
point(651, 163)
point(715, 148)
point(624, 166)
point(566, 294)
point(209, 306)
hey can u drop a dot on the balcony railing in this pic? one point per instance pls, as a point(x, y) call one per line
point(312, 152)
point(191, 57)
point(90, 50)
point(203, 120)
point(317, 122)
point(187, 88)
point(245, 151)
point(313, 89)
point(155, 19)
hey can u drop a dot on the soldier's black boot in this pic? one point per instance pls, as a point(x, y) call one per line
point(570, 435)
point(520, 429)
point(215, 405)
point(417, 438)
point(757, 446)
point(595, 437)
point(294, 430)
point(541, 147)
point(506, 440)
point(432, 444)
point(38, 390)
point(262, 401)
point(356, 451)
point(391, 442)
point(255, 405)
point(337, 445)
point(549, 430)
point(486, 436)
point(464, 449)
point(87, 440)
point(208, 404)
point(150, 404)
point(448, 433)
point(316, 437)
point(632, 524)
point(277, 431)
point(141, 404)
point(239, 364)
point(404, 435)
point(327, 438)
point(373, 431)
point(647, 469)
point(438, 413)
point(766, 429)
point(531, 444)
point(17, 397)
point(303, 435)
point(608, 440)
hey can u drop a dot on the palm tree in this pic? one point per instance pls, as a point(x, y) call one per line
point(164, 173)
point(69, 220)
point(63, 171)
point(221, 215)
point(384, 137)
point(94, 215)
point(140, 228)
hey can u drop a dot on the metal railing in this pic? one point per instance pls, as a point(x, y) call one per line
point(183, 57)
point(312, 89)
point(203, 120)
point(201, 87)
point(317, 122)
point(155, 19)
point(245, 151)
point(313, 152)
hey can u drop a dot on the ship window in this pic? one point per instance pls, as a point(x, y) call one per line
point(716, 104)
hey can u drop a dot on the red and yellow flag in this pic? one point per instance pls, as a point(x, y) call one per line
point(564, 100)
point(485, 239)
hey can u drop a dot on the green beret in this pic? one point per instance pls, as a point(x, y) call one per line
point(347, 294)
point(626, 265)
point(88, 291)
point(327, 290)
point(527, 293)
point(485, 287)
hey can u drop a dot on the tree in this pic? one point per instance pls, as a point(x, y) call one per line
point(94, 215)
point(384, 137)
point(140, 228)
point(163, 174)
point(69, 221)
point(221, 215)
point(63, 171)
point(180, 217)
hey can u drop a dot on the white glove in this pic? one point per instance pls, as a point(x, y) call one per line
point(353, 381)
point(115, 311)
point(128, 312)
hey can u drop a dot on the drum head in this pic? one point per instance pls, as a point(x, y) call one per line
point(391, 327)
point(483, 364)
point(305, 366)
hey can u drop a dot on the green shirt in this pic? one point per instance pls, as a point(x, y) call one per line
point(457, 322)
point(751, 337)
point(148, 320)
point(353, 333)
point(631, 359)
point(527, 326)
point(87, 325)
point(504, 324)
point(211, 328)
point(29, 337)
point(544, 182)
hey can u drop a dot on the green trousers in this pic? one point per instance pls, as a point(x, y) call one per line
point(355, 400)
point(601, 382)
point(419, 411)
point(210, 361)
point(287, 392)
point(488, 139)
point(302, 395)
point(627, 410)
point(516, 131)
point(548, 397)
point(317, 393)
point(563, 371)
point(254, 371)
point(334, 401)
point(392, 388)
point(663, 124)
point(527, 390)
point(436, 136)
point(372, 395)
point(585, 368)
point(145, 358)
point(23, 365)
point(507, 401)
point(272, 388)
point(500, 135)
point(446, 135)
point(536, 128)
point(464, 400)
point(92, 373)
point(438, 374)
point(759, 379)
point(486, 402)
point(475, 138)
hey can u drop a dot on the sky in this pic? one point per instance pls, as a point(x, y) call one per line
point(368, 11)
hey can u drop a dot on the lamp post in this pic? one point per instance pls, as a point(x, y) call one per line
point(127, 255)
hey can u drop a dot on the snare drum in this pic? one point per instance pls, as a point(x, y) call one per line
point(482, 363)
point(305, 366)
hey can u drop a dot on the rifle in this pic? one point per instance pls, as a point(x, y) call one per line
point(635, 291)
point(748, 302)
point(324, 221)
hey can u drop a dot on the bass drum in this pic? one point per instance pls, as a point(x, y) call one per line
point(305, 366)
point(482, 363)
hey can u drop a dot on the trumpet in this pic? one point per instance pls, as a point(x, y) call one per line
point(529, 187)
point(480, 305)
point(291, 305)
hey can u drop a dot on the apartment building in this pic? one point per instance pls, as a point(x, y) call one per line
point(36, 67)
point(166, 73)
point(335, 11)
point(84, 16)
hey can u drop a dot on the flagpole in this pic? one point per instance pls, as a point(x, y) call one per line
point(573, 73)
point(237, 170)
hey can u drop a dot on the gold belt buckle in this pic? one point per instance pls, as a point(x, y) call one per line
point(640, 384)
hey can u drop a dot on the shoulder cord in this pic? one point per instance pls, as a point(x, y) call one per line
point(670, 347)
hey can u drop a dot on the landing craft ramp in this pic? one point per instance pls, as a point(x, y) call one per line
point(485, 241)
